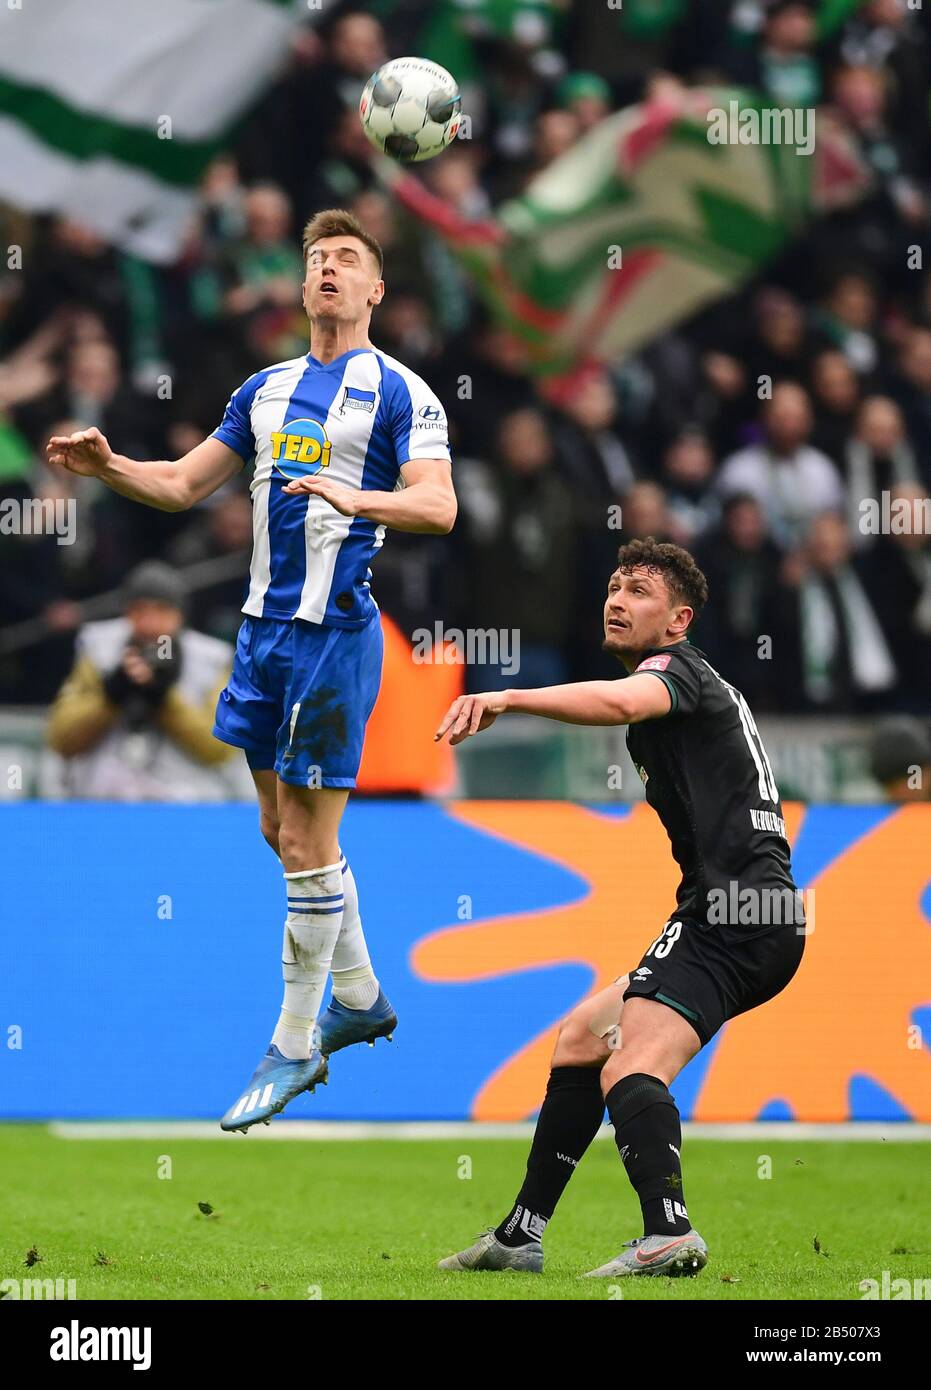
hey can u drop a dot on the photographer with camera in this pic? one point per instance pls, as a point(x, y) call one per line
point(134, 719)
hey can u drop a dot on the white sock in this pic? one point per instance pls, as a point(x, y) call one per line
point(354, 982)
point(315, 914)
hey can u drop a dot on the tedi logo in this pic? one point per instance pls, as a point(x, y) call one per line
point(300, 447)
point(77, 1343)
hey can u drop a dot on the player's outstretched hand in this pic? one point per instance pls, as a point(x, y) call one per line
point(471, 714)
point(346, 500)
point(86, 452)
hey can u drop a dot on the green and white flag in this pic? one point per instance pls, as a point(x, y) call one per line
point(110, 110)
point(657, 211)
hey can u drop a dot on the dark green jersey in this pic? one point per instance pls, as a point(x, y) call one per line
point(707, 776)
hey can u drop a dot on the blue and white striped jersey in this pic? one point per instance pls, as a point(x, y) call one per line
point(357, 419)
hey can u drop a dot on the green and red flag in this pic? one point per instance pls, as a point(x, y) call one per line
point(640, 224)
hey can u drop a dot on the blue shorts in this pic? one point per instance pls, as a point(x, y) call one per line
point(299, 698)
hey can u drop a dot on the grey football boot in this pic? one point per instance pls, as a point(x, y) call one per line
point(489, 1253)
point(672, 1255)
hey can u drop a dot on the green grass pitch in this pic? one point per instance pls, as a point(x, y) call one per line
point(368, 1219)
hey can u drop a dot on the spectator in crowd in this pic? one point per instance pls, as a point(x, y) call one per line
point(28, 372)
point(587, 96)
point(456, 179)
point(404, 252)
point(223, 203)
point(688, 477)
point(831, 653)
point(223, 546)
point(40, 571)
point(294, 129)
point(900, 758)
point(641, 512)
point(725, 398)
point(520, 532)
point(835, 390)
point(790, 479)
point(742, 567)
point(646, 513)
point(356, 49)
point(346, 171)
point(517, 144)
point(885, 35)
point(92, 389)
point(847, 320)
point(899, 573)
point(264, 271)
point(860, 94)
point(406, 330)
point(784, 66)
point(780, 348)
point(485, 369)
point(134, 719)
point(72, 265)
point(912, 390)
point(596, 463)
point(877, 458)
point(555, 133)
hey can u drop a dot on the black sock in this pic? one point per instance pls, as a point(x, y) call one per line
point(570, 1117)
point(649, 1138)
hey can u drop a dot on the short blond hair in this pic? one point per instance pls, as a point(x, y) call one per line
point(340, 222)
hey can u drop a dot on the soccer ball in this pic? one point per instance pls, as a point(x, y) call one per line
point(410, 109)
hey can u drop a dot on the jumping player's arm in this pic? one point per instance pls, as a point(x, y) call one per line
point(426, 503)
point(170, 485)
point(640, 696)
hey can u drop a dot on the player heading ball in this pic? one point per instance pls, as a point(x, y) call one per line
point(343, 443)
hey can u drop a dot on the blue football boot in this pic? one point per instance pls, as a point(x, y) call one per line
point(275, 1081)
point(341, 1027)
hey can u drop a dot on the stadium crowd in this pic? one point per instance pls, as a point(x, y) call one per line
point(767, 491)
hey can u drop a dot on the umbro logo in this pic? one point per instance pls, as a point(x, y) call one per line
point(642, 972)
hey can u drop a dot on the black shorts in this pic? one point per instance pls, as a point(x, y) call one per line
point(709, 977)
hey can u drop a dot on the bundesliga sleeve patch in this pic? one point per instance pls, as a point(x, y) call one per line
point(654, 663)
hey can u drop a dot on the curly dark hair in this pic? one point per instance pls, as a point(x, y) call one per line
point(683, 578)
